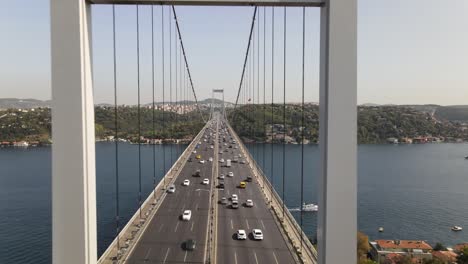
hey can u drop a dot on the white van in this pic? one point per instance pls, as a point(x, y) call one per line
point(228, 163)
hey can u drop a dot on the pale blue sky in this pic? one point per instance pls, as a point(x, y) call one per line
point(408, 52)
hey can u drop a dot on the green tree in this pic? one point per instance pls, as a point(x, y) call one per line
point(362, 245)
point(462, 258)
point(366, 261)
point(439, 247)
point(433, 261)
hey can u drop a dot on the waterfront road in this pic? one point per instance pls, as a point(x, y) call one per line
point(163, 240)
point(273, 248)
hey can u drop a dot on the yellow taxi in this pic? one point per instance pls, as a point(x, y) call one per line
point(243, 184)
point(198, 156)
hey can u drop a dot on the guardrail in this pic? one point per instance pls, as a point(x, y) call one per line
point(298, 235)
point(213, 223)
point(123, 245)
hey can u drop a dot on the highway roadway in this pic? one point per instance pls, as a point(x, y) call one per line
point(163, 240)
point(273, 248)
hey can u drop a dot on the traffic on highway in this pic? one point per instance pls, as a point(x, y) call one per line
point(246, 231)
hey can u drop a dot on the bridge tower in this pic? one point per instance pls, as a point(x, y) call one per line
point(74, 234)
point(221, 91)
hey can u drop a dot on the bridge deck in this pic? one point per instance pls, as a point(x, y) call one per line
point(163, 238)
point(273, 248)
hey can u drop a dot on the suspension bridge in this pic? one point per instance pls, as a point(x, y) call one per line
point(215, 188)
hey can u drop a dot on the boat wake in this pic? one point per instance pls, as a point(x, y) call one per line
point(305, 208)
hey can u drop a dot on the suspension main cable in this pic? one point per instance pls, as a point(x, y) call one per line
point(246, 56)
point(116, 135)
point(186, 63)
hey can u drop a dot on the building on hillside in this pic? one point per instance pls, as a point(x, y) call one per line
point(459, 247)
point(406, 140)
point(445, 256)
point(416, 249)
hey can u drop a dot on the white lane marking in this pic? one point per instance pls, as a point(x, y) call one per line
point(264, 228)
point(160, 227)
point(228, 192)
point(177, 225)
point(183, 207)
point(274, 255)
point(167, 254)
point(147, 254)
point(196, 206)
point(235, 257)
point(232, 225)
point(185, 257)
point(199, 194)
point(247, 222)
point(191, 228)
point(255, 255)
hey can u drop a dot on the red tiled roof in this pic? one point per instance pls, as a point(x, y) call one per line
point(404, 244)
point(445, 255)
point(460, 247)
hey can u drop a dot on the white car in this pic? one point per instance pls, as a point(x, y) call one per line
point(231, 174)
point(240, 155)
point(186, 183)
point(194, 151)
point(234, 197)
point(187, 215)
point(241, 234)
point(220, 152)
point(221, 176)
point(221, 160)
point(211, 146)
point(242, 161)
point(249, 203)
point(257, 234)
point(171, 188)
point(206, 181)
point(202, 161)
point(210, 159)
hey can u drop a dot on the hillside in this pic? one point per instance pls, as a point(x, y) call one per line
point(375, 123)
point(6, 103)
point(453, 113)
point(35, 125)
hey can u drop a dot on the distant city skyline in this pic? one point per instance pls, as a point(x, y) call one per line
point(403, 58)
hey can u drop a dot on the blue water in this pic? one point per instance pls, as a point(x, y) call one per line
point(413, 191)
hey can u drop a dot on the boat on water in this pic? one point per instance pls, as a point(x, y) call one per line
point(457, 228)
point(381, 229)
point(306, 208)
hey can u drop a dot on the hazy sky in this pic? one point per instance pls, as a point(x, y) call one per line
point(408, 52)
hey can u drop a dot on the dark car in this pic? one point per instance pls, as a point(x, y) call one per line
point(190, 244)
point(197, 174)
point(190, 160)
point(249, 179)
point(221, 185)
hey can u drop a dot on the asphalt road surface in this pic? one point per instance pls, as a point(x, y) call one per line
point(272, 249)
point(165, 237)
